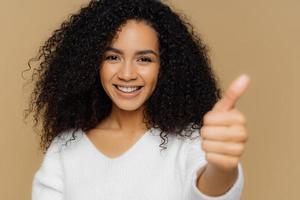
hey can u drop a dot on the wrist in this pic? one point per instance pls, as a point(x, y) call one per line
point(214, 181)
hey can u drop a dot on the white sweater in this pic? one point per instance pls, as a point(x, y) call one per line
point(77, 170)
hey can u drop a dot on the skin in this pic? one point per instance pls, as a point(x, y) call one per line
point(127, 63)
point(132, 59)
point(224, 137)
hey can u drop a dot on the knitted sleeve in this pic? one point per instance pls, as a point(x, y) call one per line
point(48, 180)
point(195, 163)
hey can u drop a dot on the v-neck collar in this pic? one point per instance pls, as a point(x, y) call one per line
point(124, 155)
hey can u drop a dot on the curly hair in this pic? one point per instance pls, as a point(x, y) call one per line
point(68, 93)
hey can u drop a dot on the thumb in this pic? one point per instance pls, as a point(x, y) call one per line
point(236, 89)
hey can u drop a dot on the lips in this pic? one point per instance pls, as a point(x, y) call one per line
point(128, 89)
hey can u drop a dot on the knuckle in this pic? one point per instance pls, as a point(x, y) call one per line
point(240, 116)
point(243, 134)
point(240, 132)
point(243, 119)
point(240, 149)
point(207, 117)
point(202, 129)
point(235, 149)
point(203, 132)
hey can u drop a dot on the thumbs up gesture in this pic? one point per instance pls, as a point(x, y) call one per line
point(223, 140)
point(223, 132)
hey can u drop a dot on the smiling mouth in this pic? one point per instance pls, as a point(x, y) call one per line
point(128, 89)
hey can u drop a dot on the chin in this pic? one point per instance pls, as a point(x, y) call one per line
point(129, 106)
point(129, 101)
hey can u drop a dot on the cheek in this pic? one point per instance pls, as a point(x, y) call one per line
point(106, 73)
point(155, 77)
point(150, 74)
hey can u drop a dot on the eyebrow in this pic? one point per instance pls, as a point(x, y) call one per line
point(142, 52)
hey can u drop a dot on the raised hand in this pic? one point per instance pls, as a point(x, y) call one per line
point(224, 133)
point(223, 140)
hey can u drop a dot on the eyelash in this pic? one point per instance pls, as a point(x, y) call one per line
point(109, 57)
point(146, 59)
point(113, 57)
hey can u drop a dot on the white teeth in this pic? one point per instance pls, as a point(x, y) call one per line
point(127, 89)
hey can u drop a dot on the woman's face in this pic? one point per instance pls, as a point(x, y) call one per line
point(131, 64)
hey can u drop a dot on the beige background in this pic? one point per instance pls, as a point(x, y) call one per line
point(258, 37)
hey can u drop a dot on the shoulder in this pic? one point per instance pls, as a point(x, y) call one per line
point(65, 140)
point(187, 138)
point(189, 148)
point(51, 165)
point(180, 146)
point(191, 137)
point(48, 180)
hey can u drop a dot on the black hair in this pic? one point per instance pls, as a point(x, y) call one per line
point(68, 93)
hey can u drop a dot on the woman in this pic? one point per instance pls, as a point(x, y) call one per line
point(118, 80)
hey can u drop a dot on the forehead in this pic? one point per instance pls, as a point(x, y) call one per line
point(135, 35)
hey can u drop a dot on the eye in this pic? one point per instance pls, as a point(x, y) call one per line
point(111, 57)
point(145, 59)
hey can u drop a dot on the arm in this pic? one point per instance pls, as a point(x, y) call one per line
point(195, 168)
point(223, 140)
point(214, 182)
point(48, 180)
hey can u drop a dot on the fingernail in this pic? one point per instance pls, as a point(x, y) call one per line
point(242, 80)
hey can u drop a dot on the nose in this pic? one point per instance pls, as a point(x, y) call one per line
point(127, 72)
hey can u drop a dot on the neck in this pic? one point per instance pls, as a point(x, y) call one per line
point(127, 121)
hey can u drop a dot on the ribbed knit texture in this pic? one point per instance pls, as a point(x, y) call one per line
point(77, 170)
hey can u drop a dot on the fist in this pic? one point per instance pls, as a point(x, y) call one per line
point(224, 133)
